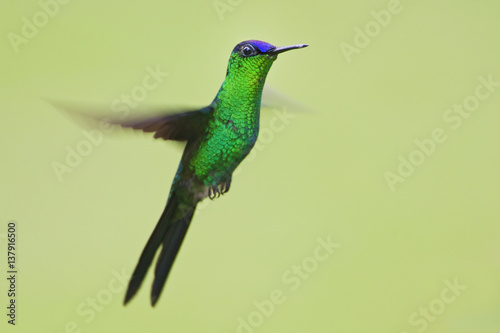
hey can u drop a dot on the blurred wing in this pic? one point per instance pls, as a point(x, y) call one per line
point(274, 99)
point(178, 126)
point(171, 125)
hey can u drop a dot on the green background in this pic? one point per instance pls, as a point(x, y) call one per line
point(320, 175)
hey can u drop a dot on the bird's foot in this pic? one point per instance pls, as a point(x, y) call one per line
point(213, 192)
point(216, 191)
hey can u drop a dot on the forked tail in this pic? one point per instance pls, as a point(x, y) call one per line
point(169, 232)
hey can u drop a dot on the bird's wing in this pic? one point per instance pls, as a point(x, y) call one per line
point(173, 124)
point(275, 99)
point(180, 126)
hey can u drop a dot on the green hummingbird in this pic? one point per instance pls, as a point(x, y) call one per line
point(218, 137)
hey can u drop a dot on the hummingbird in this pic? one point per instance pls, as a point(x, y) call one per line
point(218, 137)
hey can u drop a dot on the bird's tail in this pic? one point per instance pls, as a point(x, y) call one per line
point(169, 232)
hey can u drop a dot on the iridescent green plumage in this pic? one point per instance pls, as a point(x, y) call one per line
point(218, 137)
point(233, 129)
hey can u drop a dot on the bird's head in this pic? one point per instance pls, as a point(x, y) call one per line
point(254, 57)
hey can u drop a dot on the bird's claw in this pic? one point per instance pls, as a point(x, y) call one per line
point(217, 190)
point(213, 192)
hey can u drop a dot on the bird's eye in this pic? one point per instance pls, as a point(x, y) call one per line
point(248, 51)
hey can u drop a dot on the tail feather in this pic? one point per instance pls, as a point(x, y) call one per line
point(169, 231)
point(171, 245)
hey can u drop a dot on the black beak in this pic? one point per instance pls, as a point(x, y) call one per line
point(286, 48)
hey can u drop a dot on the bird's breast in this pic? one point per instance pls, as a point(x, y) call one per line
point(223, 149)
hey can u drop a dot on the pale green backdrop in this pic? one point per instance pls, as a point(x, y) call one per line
point(416, 248)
